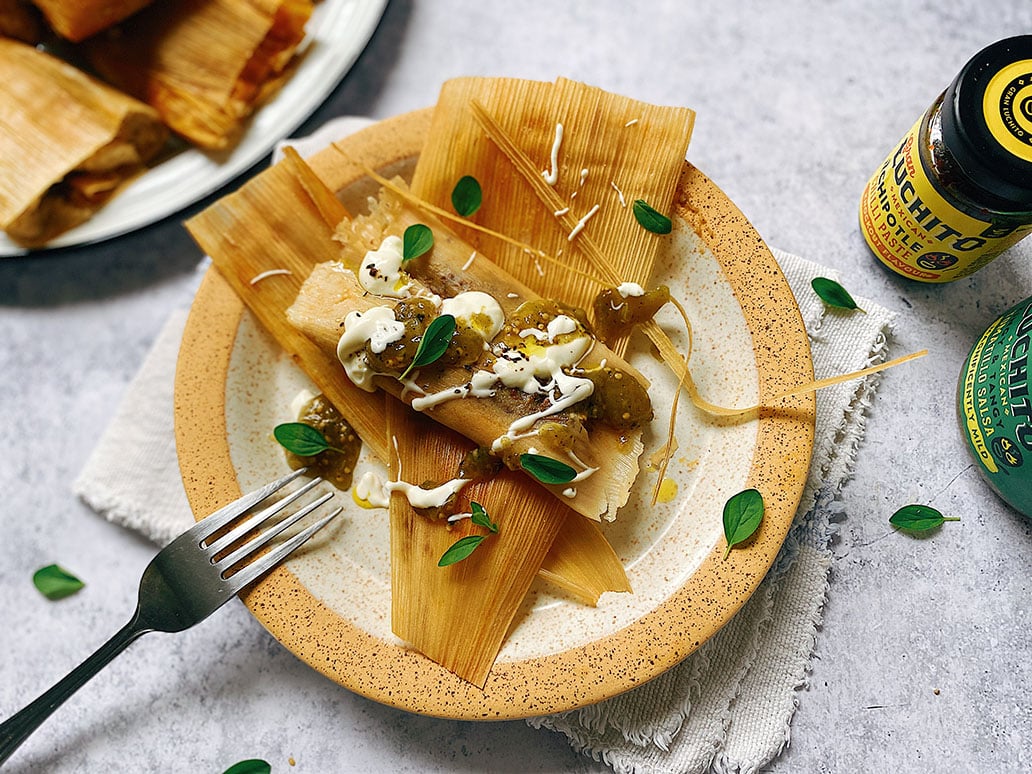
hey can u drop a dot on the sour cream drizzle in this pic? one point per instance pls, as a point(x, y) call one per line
point(376, 492)
point(551, 175)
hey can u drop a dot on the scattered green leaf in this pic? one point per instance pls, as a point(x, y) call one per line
point(418, 239)
point(460, 549)
point(55, 583)
point(467, 196)
point(833, 294)
point(919, 518)
point(436, 337)
point(742, 516)
point(546, 470)
point(250, 766)
point(301, 439)
point(480, 517)
point(650, 219)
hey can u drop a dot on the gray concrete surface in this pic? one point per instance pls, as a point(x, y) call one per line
point(922, 662)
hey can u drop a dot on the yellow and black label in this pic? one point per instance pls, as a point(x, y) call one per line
point(917, 232)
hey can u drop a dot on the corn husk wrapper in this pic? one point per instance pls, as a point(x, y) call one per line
point(76, 20)
point(459, 615)
point(613, 151)
point(67, 143)
point(204, 65)
point(265, 238)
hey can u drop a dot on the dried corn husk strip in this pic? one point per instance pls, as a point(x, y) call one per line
point(67, 142)
point(643, 160)
point(204, 65)
point(273, 224)
point(582, 563)
point(459, 615)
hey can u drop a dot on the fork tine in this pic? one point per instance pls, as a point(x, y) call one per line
point(265, 563)
point(227, 513)
point(253, 545)
point(257, 519)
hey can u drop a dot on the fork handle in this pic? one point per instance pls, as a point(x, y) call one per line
point(16, 729)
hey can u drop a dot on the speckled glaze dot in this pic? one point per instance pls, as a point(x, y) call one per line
point(750, 343)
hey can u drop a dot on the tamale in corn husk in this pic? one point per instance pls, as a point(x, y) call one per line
point(204, 65)
point(330, 294)
point(76, 20)
point(67, 143)
point(19, 19)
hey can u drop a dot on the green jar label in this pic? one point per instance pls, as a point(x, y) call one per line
point(995, 406)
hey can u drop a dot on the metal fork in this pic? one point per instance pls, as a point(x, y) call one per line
point(187, 581)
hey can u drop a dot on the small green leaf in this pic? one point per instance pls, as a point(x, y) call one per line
point(833, 294)
point(250, 766)
point(480, 517)
point(919, 518)
point(435, 341)
point(300, 439)
point(467, 196)
point(55, 583)
point(546, 470)
point(417, 240)
point(460, 549)
point(742, 516)
point(650, 219)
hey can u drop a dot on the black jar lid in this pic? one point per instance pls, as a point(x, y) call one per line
point(987, 120)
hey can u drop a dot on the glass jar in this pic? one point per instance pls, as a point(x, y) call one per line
point(995, 405)
point(957, 190)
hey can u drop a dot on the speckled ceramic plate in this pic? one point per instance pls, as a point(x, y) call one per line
point(331, 605)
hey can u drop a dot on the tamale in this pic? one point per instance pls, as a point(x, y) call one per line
point(76, 20)
point(20, 20)
point(604, 457)
point(204, 65)
point(67, 143)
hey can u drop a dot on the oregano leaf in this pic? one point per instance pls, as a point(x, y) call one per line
point(460, 549)
point(300, 439)
point(417, 240)
point(833, 294)
point(54, 582)
point(435, 341)
point(467, 196)
point(743, 513)
point(250, 766)
point(547, 470)
point(650, 219)
point(480, 518)
point(919, 518)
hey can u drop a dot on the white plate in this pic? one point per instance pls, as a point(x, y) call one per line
point(336, 35)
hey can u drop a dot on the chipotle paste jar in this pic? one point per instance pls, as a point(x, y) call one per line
point(995, 405)
point(956, 191)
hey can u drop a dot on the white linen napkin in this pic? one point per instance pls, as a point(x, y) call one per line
point(727, 707)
